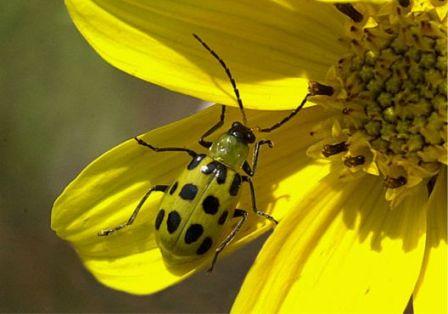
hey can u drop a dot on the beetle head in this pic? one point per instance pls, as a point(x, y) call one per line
point(242, 133)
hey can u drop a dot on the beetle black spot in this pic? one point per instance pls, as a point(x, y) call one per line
point(222, 219)
point(188, 191)
point(173, 221)
point(210, 167)
point(221, 174)
point(205, 246)
point(210, 205)
point(195, 161)
point(159, 218)
point(173, 188)
point(235, 186)
point(239, 213)
point(193, 233)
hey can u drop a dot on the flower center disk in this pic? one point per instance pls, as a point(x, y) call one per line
point(391, 98)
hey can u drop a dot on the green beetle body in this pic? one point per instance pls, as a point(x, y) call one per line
point(195, 208)
point(197, 205)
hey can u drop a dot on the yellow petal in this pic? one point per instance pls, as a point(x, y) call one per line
point(343, 251)
point(271, 47)
point(431, 292)
point(107, 191)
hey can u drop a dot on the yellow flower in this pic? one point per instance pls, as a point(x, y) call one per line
point(358, 181)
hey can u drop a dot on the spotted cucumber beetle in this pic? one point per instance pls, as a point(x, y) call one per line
point(197, 205)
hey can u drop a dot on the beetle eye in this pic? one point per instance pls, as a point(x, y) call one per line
point(250, 137)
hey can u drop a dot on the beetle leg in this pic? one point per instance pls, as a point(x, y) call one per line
point(218, 124)
point(157, 188)
point(254, 200)
point(238, 213)
point(250, 171)
point(190, 152)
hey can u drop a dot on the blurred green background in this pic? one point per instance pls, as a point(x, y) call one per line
point(61, 107)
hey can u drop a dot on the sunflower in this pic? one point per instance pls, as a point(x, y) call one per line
point(358, 180)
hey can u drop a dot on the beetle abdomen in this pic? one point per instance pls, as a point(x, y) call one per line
point(193, 212)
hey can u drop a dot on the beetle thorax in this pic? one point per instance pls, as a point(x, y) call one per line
point(229, 150)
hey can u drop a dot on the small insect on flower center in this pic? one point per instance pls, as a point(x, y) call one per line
point(390, 94)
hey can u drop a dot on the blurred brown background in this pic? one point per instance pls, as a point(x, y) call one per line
point(60, 107)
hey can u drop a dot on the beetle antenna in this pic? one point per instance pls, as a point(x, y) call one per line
point(287, 118)
point(229, 75)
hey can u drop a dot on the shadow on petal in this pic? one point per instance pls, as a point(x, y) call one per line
point(342, 245)
point(394, 221)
